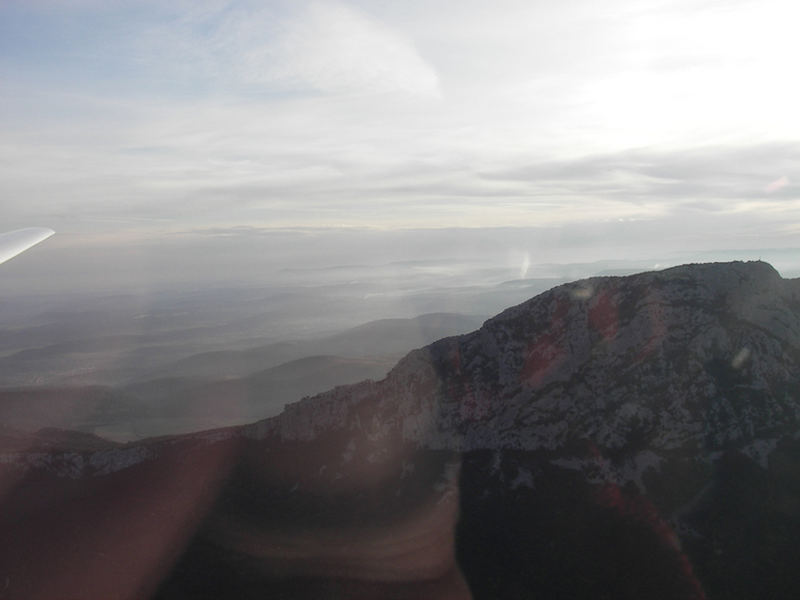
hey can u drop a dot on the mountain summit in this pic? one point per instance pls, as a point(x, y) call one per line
point(697, 356)
point(619, 437)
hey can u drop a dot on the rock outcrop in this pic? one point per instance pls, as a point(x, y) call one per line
point(616, 437)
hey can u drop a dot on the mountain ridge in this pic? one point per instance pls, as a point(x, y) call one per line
point(515, 372)
point(642, 432)
point(599, 329)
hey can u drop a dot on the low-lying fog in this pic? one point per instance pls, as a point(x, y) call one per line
point(189, 332)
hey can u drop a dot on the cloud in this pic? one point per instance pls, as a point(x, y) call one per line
point(382, 114)
point(282, 48)
point(718, 176)
point(332, 47)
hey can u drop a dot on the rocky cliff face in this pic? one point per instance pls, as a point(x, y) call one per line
point(605, 420)
point(642, 431)
point(699, 357)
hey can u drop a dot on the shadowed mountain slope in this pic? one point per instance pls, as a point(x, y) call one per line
point(617, 437)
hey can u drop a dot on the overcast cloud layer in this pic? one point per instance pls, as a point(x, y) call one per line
point(125, 120)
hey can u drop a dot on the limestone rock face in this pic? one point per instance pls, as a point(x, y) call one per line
point(642, 431)
point(698, 357)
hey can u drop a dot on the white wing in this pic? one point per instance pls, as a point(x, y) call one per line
point(14, 242)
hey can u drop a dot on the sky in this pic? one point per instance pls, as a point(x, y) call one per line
point(646, 125)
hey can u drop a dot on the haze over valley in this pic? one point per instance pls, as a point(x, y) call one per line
point(632, 429)
point(365, 299)
point(185, 357)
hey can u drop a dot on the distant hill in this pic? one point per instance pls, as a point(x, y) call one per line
point(215, 389)
point(77, 408)
point(620, 437)
point(254, 396)
point(385, 338)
